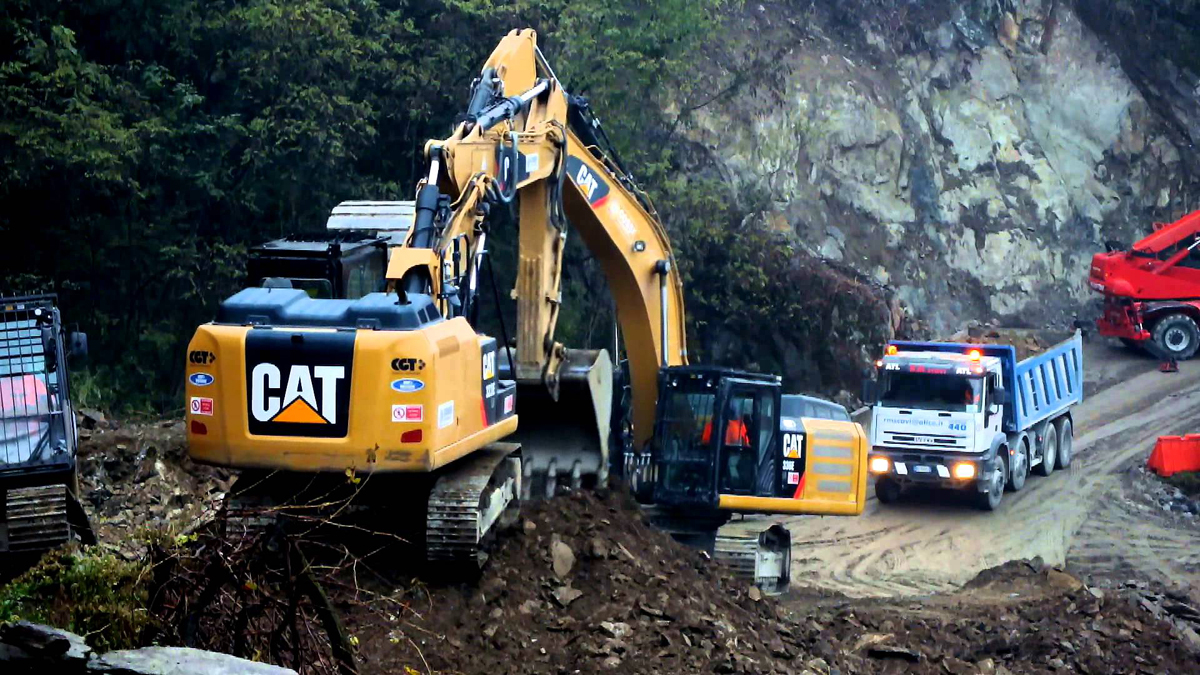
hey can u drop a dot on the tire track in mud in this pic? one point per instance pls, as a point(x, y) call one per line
point(936, 542)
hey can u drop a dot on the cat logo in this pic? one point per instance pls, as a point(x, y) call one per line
point(793, 446)
point(594, 189)
point(489, 365)
point(300, 403)
point(298, 384)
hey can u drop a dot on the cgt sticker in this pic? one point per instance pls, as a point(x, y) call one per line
point(201, 379)
point(202, 358)
point(408, 413)
point(408, 365)
point(201, 406)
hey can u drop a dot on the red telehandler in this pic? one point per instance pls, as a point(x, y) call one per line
point(1152, 291)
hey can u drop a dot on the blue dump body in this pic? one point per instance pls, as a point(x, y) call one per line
point(1041, 386)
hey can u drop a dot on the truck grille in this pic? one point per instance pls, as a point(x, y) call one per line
point(925, 441)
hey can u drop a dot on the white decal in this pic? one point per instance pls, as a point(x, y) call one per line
point(490, 390)
point(622, 219)
point(793, 478)
point(532, 162)
point(445, 414)
point(789, 465)
point(508, 404)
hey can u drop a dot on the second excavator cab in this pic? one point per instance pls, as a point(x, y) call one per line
point(721, 446)
point(719, 443)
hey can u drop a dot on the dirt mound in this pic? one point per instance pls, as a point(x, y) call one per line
point(137, 476)
point(627, 598)
point(1027, 342)
point(584, 585)
point(1019, 617)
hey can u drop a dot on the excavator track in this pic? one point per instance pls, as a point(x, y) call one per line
point(763, 560)
point(470, 502)
point(739, 554)
point(36, 519)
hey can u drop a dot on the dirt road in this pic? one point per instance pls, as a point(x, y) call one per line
point(1081, 516)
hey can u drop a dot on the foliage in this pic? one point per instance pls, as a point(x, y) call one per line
point(89, 593)
point(149, 143)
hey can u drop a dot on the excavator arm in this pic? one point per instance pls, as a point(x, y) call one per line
point(522, 141)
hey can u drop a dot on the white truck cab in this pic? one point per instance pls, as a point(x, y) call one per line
point(970, 417)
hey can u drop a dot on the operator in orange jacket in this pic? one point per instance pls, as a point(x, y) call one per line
point(736, 435)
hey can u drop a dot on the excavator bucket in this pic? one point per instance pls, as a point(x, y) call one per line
point(564, 442)
point(764, 560)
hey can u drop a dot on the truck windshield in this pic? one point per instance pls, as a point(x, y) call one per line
point(954, 393)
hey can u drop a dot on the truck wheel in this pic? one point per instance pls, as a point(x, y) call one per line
point(990, 501)
point(1064, 442)
point(1020, 467)
point(1049, 451)
point(886, 490)
point(1178, 336)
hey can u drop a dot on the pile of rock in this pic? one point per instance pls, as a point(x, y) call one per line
point(29, 648)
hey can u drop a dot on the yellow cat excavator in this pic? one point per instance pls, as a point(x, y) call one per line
point(399, 389)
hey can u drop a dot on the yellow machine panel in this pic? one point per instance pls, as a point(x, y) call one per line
point(834, 477)
point(302, 398)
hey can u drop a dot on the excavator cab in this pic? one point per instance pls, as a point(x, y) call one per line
point(716, 432)
point(722, 446)
point(342, 267)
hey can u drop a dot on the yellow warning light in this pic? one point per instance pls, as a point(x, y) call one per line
point(974, 354)
point(891, 350)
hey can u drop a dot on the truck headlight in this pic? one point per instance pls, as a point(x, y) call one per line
point(880, 465)
point(964, 470)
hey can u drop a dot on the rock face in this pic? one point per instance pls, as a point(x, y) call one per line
point(972, 158)
point(35, 649)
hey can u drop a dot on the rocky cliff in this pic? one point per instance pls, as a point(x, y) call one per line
point(970, 156)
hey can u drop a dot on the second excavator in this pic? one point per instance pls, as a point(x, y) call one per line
point(454, 428)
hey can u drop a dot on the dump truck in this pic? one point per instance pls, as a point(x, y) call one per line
point(971, 416)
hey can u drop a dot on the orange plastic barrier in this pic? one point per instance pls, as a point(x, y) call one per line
point(1173, 454)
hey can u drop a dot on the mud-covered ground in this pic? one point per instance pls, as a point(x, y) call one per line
point(929, 585)
point(584, 586)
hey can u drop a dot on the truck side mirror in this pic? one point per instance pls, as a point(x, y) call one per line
point(870, 391)
point(1000, 397)
point(78, 342)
